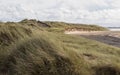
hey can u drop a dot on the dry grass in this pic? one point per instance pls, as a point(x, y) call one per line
point(31, 50)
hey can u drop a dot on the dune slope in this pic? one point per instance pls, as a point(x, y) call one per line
point(28, 49)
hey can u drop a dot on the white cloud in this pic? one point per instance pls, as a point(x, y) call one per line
point(82, 11)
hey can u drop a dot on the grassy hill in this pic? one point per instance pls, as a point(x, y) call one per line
point(32, 47)
point(62, 26)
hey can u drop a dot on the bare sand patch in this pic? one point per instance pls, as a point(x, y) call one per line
point(108, 37)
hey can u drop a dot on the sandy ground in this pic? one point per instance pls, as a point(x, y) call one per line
point(108, 37)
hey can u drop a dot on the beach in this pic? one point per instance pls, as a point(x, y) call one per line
point(108, 37)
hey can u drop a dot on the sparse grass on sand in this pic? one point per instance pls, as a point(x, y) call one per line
point(29, 49)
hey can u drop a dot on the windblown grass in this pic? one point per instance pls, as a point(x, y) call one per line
point(33, 50)
point(62, 26)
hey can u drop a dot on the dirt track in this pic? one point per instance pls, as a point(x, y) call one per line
point(108, 37)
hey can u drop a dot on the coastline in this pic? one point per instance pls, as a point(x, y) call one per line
point(107, 37)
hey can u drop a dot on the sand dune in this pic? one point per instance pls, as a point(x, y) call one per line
point(108, 37)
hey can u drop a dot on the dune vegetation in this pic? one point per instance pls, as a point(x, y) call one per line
point(61, 26)
point(33, 47)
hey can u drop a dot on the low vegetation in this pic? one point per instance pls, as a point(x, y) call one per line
point(32, 47)
point(62, 26)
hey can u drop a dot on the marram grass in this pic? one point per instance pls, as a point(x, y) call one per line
point(29, 49)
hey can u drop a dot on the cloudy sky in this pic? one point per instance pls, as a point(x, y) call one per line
point(103, 12)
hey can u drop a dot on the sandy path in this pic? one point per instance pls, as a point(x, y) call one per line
point(108, 37)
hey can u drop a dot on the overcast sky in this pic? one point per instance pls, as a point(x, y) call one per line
point(103, 12)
